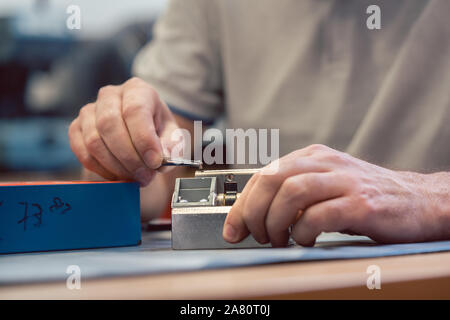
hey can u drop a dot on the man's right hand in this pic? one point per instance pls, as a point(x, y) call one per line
point(121, 136)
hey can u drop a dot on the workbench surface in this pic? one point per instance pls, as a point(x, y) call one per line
point(153, 270)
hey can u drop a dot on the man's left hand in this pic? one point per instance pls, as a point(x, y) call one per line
point(318, 189)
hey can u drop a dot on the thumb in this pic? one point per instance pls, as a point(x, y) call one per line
point(235, 228)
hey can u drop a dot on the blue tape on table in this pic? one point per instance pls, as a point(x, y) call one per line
point(68, 215)
point(154, 256)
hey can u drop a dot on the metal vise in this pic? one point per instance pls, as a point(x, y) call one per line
point(200, 206)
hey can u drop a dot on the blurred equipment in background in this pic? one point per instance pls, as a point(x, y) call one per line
point(35, 144)
point(47, 74)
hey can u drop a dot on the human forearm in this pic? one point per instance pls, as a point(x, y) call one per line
point(156, 196)
point(318, 189)
point(436, 188)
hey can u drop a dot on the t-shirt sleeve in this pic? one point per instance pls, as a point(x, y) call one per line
point(183, 62)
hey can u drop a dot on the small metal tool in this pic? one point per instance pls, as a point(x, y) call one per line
point(167, 161)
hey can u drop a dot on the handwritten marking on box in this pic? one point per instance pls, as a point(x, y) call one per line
point(45, 216)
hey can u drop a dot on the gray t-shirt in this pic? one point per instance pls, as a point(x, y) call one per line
point(315, 71)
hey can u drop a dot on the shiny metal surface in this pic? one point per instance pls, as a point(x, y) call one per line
point(199, 209)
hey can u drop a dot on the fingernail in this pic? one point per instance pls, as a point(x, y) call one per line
point(229, 233)
point(152, 159)
point(143, 176)
point(263, 240)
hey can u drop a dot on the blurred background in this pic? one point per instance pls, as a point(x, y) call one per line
point(49, 71)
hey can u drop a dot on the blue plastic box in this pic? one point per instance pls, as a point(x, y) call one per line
point(68, 215)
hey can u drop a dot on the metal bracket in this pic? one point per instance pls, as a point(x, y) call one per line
point(200, 206)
